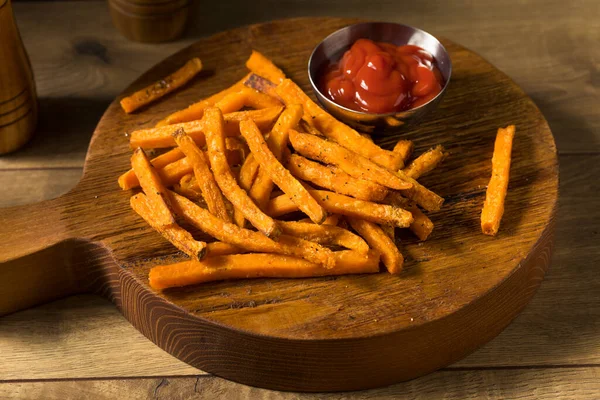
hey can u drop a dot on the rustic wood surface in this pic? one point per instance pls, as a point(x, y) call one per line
point(549, 333)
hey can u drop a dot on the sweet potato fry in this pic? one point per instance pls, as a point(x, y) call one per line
point(162, 137)
point(261, 84)
point(246, 97)
point(332, 219)
point(196, 110)
point(404, 148)
point(246, 178)
point(325, 234)
point(335, 130)
point(175, 234)
point(162, 87)
point(189, 188)
point(277, 142)
point(351, 163)
point(334, 179)
point(233, 192)
point(153, 187)
point(128, 180)
point(493, 207)
point(377, 239)
point(240, 266)
point(425, 163)
point(421, 225)
point(214, 249)
point(420, 194)
point(344, 205)
point(204, 177)
point(262, 66)
point(279, 175)
point(245, 238)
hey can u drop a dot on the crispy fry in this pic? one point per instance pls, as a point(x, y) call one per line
point(493, 207)
point(240, 266)
point(335, 130)
point(425, 163)
point(421, 225)
point(233, 192)
point(279, 175)
point(163, 136)
point(421, 195)
point(377, 239)
point(215, 249)
point(261, 84)
point(325, 234)
point(175, 234)
point(334, 179)
point(128, 180)
point(277, 142)
point(247, 175)
point(262, 66)
point(162, 87)
point(351, 163)
point(246, 97)
point(153, 187)
point(245, 238)
point(340, 204)
point(204, 177)
point(196, 110)
point(404, 148)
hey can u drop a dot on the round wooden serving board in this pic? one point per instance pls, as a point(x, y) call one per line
point(457, 291)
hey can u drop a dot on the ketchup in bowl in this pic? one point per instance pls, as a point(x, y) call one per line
point(380, 78)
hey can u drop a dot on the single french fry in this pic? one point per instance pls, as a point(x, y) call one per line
point(162, 87)
point(351, 163)
point(262, 66)
point(325, 234)
point(277, 142)
point(261, 84)
point(196, 110)
point(214, 249)
point(493, 207)
point(279, 175)
point(421, 225)
point(344, 205)
point(334, 179)
point(233, 192)
point(175, 234)
point(247, 175)
point(128, 180)
point(425, 163)
point(335, 130)
point(420, 194)
point(204, 177)
point(404, 148)
point(258, 265)
point(153, 187)
point(377, 239)
point(246, 97)
point(245, 238)
point(162, 137)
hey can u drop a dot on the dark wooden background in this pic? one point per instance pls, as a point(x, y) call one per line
point(81, 347)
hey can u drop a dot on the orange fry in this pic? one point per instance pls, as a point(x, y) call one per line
point(175, 234)
point(421, 225)
point(335, 130)
point(351, 163)
point(334, 179)
point(214, 249)
point(421, 195)
point(258, 265)
point(340, 204)
point(233, 192)
point(325, 234)
point(204, 177)
point(493, 207)
point(196, 110)
point(281, 176)
point(425, 163)
point(161, 137)
point(189, 188)
point(262, 66)
point(246, 97)
point(277, 142)
point(162, 87)
point(246, 178)
point(247, 239)
point(153, 187)
point(261, 84)
point(128, 180)
point(404, 148)
point(377, 239)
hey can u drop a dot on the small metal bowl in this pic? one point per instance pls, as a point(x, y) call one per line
point(334, 46)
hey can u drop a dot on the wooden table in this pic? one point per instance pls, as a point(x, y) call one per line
point(81, 347)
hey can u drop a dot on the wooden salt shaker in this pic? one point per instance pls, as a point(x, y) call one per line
point(18, 100)
point(149, 21)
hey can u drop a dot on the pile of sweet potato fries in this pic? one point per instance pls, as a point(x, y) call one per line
point(284, 188)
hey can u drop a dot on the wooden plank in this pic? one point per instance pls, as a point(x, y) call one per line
point(559, 327)
point(78, 75)
point(534, 384)
point(32, 186)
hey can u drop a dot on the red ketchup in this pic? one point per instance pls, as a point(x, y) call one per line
point(379, 78)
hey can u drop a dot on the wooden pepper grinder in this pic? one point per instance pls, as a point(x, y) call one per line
point(149, 21)
point(18, 100)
